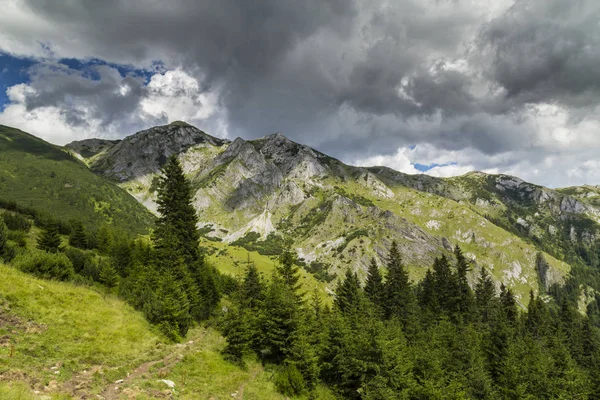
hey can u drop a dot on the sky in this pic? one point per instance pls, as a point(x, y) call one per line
point(436, 86)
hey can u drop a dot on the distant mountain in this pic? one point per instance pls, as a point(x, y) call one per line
point(37, 174)
point(271, 191)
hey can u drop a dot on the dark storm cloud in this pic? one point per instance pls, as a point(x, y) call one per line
point(349, 76)
point(546, 50)
point(57, 85)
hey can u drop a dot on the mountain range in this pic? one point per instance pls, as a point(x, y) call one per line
point(268, 193)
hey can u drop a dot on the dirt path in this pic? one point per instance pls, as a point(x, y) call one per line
point(113, 390)
point(240, 391)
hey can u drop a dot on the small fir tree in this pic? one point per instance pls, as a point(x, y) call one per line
point(49, 240)
point(78, 236)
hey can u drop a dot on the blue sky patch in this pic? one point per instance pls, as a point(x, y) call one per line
point(13, 71)
point(425, 168)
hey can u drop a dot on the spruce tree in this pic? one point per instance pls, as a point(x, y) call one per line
point(485, 294)
point(49, 240)
point(445, 284)
point(288, 272)
point(108, 274)
point(252, 289)
point(465, 301)
point(280, 320)
point(237, 332)
point(78, 237)
point(176, 227)
point(105, 239)
point(374, 286)
point(347, 295)
point(427, 298)
point(508, 305)
point(400, 300)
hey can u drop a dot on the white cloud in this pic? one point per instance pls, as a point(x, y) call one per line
point(401, 161)
point(173, 95)
point(178, 96)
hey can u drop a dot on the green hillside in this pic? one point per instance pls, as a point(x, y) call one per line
point(65, 341)
point(39, 175)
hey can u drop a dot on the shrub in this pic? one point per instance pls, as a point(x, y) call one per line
point(46, 265)
point(9, 253)
point(19, 237)
point(289, 381)
point(16, 222)
point(78, 258)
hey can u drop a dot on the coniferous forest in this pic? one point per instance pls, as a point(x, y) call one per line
point(446, 337)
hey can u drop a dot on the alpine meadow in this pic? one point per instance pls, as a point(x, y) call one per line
point(369, 200)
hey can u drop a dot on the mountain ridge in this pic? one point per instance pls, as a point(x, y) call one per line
point(274, 190)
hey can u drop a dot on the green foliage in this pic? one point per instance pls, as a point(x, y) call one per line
point(315, 217)
point(374, 288)
point(320, 271)
point(107, 274)
point(3, 238)
point(358, 199)
point(176, 227)
point(46, 265)
point(273, 245)
point(78, 236)
point(453, 343)
point(79, 259)
point(289, 381)
point(348, 293)
point(49, 240)
point(400, 300)
point(16, 221)
point(288, 271)
point(350, 237)
point(34, 172)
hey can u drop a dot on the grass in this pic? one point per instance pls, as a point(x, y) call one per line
point(202, 373)
point(67, 342)
point(37, 174)
point(232, 260)
point(47, 325)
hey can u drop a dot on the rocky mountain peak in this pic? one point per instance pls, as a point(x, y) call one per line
point(146, 151)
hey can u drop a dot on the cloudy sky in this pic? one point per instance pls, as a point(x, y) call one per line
point(442, 86)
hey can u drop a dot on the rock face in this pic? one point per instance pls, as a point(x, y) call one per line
point(88, 148)
point(342, 215)
point(147, 151)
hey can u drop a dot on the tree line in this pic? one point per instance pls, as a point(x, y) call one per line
point(393, 339)
point(384, 338)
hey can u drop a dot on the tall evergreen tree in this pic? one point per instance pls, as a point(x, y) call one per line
point(445, 284)
point(465, 301)
point(400, 300)
point(485, 294)
point(288, 272)
point(78, 236)
point(252, 289)
point(427, 295)
point(280, 320)
point(105, 239)
point(347, 295)
point(176, 227)
point(508, 305)
point(49, 240)
point(374, 289)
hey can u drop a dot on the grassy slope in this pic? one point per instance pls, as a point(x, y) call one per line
point(232, 260)
point(57, 324)
point(488, 244)
point(94, 340)
point(37, 174)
